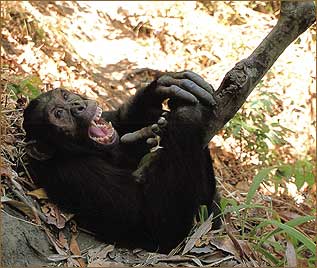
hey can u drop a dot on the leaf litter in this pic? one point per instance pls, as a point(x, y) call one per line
point(41, 51)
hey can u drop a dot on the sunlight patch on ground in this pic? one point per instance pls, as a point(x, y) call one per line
point(179, 36)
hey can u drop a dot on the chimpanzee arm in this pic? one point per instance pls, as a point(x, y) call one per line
point(146, 106)
point(135, 117)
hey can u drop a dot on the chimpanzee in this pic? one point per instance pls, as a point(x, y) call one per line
point(85, 159)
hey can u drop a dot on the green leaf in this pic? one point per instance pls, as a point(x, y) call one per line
point(293, 233)
point(249, 128)
point(242, 206)
point(236, 130)
point(285, 170)
point(310, 179)
point(291, 223)
point(268, 255)
point(303, 171)
point(224, 202)
point(203, 213)
point(258, 178)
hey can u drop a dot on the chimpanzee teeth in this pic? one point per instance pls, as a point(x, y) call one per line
point(98, 114)
point(108, 126)
point(97, 139)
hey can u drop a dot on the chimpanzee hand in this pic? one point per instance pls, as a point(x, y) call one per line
point(151, 134)
point(182, 87)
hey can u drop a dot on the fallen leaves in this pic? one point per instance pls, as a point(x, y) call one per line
point(25, 209)
point(291, 254)
point(98, 256)
point(199, 232)
point(74, 247)
point(69, 252)
point(54, 216)
point(38, 194)
point(170, 44)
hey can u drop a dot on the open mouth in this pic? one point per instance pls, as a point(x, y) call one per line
point(101, 131)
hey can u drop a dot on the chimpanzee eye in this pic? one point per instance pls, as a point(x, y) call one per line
point(65, 95)
point(58, 113)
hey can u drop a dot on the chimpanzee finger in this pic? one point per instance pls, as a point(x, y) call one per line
point(138, 135)
point(195, 78)
point(152, 142)
point(203, 95)
point(155, 128)
point(174, 91)
point(188, 86)
point(162, 122)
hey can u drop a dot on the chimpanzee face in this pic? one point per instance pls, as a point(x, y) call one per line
point(69, 117)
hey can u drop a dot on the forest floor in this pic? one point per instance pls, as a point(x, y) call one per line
point(108, 50)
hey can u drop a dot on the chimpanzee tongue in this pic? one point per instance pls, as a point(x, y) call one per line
point(96, 132)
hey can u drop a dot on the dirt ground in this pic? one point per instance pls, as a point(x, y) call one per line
point(107, 51)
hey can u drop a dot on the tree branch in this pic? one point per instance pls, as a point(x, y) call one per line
point(295, 18)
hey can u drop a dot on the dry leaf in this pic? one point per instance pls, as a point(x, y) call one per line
point(67, 216)
point(62, 240)
point(213, 257)
point(230, 231)
point(100, 263)
point(225, 244)
point(291, 254)
point(243, 186)
point(99, 253)
point(53, 215)
point(38, 193)
point(71, 262)
point(57, 257)
point(247, 251)
point(5, 170)
point(74, 248)
point(206, 249)
point(55, 242)
point(199, 232)
point(25, 209)
point(289, 215)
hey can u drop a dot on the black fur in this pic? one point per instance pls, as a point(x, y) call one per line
point(97, 184)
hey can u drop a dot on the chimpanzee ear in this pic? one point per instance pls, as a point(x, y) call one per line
point(39, 151)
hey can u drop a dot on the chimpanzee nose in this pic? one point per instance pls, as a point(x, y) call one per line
point(77, 107)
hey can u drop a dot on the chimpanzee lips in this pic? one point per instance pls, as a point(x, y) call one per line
point(101, 131)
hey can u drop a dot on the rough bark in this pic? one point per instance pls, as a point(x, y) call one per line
point(295, 18)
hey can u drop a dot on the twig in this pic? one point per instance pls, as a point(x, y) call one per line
point(19, 219)
point(295, 18)
point(18, 190)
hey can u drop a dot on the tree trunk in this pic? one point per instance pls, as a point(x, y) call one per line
point(295, 18)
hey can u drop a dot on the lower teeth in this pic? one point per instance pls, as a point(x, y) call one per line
point(104, 139)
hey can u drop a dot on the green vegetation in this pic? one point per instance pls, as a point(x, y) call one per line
point(259, 134)
point(28, 87)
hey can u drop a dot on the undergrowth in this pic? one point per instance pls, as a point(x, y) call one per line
point(260, 134)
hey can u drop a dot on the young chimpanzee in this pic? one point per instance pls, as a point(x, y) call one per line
point(85, 159)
